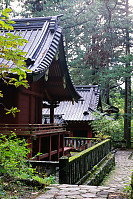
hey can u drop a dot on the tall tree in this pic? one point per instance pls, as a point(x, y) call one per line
point(5, 4)
point(127, 118)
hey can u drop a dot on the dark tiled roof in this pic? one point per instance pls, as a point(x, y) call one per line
point(81, 111)
point(43, 36)
point(45, 39)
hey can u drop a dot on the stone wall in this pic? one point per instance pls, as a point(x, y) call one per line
point(100, 171)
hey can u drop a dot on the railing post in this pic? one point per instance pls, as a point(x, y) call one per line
point(78, 145)
point(70, 142)
point(86, 144)
point(82, 145)
point(64, 170)
point(74, 143)
point(67, 142)
point(90, 143)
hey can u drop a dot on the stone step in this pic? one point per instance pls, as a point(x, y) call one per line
point(77, 192)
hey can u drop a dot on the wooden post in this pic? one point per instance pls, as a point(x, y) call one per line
point(39, 146)
point(90, 143)
point(70, 142)
point(58, 151)
point(64, 170)
point(67, 142)
point(63, 144)
point(50, 148)
point(78, 145)
point(82, 145)
point(52, 114)
point(75, 144)
point(30, 104)
point(86, 144)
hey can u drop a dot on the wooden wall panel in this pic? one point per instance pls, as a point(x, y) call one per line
point(89, 131)
point(28, 101)
point(79, 127)
point(8, 101)
point(32, 109)
point(23, 105)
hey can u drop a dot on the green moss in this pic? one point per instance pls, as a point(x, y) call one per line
point(85, 152)
point(132, 180)
point(98, 173)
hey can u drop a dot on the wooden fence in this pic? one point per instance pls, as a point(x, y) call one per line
point(72, 169)
point(79, 143)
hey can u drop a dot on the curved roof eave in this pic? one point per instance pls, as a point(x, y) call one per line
point(40, 70)
point(66, 73)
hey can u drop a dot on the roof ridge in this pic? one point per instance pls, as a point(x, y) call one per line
point(86, 87)
point(36, 19)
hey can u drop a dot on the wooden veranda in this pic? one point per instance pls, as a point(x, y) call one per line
point(45, 139)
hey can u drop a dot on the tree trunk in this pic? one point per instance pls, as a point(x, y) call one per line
point(127, 115)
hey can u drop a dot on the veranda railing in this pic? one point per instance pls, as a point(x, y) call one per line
point(79, 143)
point(47, 139)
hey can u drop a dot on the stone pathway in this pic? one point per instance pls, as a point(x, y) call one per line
point(115, 182)
point(120, 177)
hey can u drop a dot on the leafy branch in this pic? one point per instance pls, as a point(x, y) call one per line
point(13, 69)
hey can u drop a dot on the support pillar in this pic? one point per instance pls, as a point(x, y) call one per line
point(50, 148)
point(51, 113)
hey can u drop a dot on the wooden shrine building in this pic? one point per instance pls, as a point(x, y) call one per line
point(49, 81)
point(78, 116)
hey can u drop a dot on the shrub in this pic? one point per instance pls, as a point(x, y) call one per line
point(13, 160)
point(13, 157)
point(105, 126)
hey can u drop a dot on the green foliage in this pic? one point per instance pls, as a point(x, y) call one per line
point(9, 50)
point(47, 180)
point(15, 170)
point(126, 59)
point(128, 190)
point(105, 126)
point(13, 111)
point(1, 95)
point(117, 99)
point(13, 157)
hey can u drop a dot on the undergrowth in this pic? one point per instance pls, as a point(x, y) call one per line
point(17, 178)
